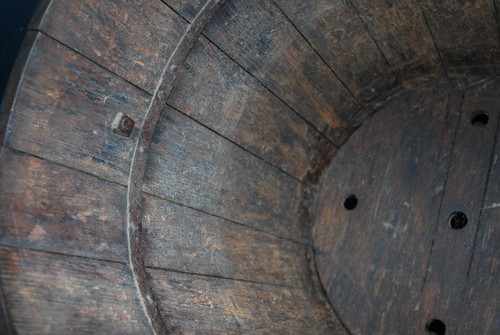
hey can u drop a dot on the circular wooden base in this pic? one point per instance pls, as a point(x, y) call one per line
point(407, 224)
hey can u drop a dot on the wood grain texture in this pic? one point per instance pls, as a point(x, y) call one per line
point(480, 312)
point(465, 187)
point(466, 34)
point(182, 239)
point(216, 92)
point(64, 109)
point(400, 29)
point(372, 260)
point(200, 305)
point(134, 41)
point(334, 29)
point(191, 165)
point(54, 294)
point(260, 38)
point(48, 207)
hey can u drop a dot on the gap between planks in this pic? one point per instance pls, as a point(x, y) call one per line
point(105, 260)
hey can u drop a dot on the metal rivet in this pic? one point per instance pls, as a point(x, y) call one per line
point(123, 125)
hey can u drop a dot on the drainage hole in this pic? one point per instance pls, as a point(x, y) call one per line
point(457, 220)
point(480, 118)
point(350, 202)
point(435, 327)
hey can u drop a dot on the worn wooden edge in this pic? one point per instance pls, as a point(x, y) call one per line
point(6, 326)
point(139, 160)
point(15, 79)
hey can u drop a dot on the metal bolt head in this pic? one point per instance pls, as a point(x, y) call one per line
point(123, 125)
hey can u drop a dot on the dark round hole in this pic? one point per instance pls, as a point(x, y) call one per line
point(435, 327)
point(458, 220)
point(480, 118)
point(350, 202)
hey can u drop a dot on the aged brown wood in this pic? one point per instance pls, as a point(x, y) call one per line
point(63, 101)
point(480, 310)
point(372, 260)
point(466, 34)
point(106, 32)
point(219, 234)
point(465, 184)
point(248, 191)
point(401, 31)
point(235, 105)
point(57, 209)
point(256, 34)
point(335, 30)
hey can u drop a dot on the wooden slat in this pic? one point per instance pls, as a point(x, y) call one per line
point(133, 41)
point(480, 311)
point(466, 33)
point(191, 165)
point(372, 260)
point(259, 38)
point(212, 89)
point(334, 29)
point(186, 240)
point(64, 109)
point(400, 30)
point(200, 305)
point(465, 185)
point(49, 207)
point(54, 294)
point(50, 293)
point(186, 9)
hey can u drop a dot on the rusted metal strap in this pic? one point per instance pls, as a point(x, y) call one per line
point(138, 166)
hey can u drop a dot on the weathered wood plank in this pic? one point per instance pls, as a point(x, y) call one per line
point(54, 294)
point(466, 181)
point(186, 240)
point(334, 29)
point(48, 207)
point(133, 41)
point(466, 33)
point(64, 110)
point(187, 9)
point(400, 30)
point(191, 165)
point(260, 38)
point(480, 311)
point(372, 259)
point(61, 294)
point(200, 305)
point(215, 91)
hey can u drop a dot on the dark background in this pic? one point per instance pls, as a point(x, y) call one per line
point(15, 16)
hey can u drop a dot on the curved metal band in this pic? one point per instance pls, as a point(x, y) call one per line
point(138, 166)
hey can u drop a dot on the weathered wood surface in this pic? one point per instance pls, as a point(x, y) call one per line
point(50, 293)
point(219, 94)
point(465, 188)
point(400, 30)
point(64, 109)
point(54, 294)
point(260, 38)
point(134, 41)
point(466, 34)
point(334, 29)
point(372, 260)
point(213, 306)
point(480, 312)
point(191, 165)
point(48, 207)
